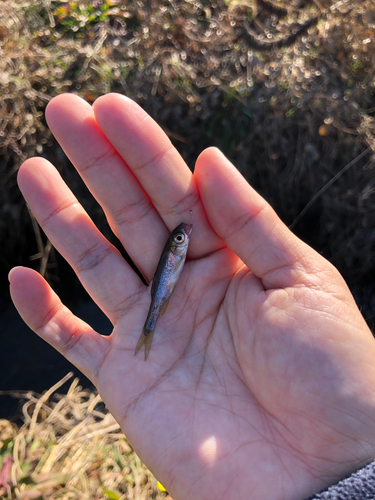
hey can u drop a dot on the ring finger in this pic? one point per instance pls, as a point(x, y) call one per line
point(101, 269)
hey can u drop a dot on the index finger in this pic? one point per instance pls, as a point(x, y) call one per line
point(157, 165)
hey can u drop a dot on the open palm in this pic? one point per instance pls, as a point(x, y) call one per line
point(260, 381)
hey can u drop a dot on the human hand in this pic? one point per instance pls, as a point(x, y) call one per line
point(261, 379)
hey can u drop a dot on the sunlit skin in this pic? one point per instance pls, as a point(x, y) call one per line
point(261, 379)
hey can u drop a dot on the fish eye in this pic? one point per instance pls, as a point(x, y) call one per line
point(179, 238)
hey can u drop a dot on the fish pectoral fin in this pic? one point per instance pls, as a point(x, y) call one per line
point(165, 307)
point(146, 339)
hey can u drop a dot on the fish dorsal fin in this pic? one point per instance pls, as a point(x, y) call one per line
point(165, 307)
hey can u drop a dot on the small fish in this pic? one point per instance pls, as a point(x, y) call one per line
point(166, 277)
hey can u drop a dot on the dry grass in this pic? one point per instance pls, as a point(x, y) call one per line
point(285, 89)
point(70, 447)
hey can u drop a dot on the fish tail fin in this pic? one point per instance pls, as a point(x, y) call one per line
point(146, 339)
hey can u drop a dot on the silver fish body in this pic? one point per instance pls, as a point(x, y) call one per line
point(166, 277)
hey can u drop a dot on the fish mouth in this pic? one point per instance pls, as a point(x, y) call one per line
point(188, 229)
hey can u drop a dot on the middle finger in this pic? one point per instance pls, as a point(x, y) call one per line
point(128, 210)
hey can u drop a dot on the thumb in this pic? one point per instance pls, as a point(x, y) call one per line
point(250, 227)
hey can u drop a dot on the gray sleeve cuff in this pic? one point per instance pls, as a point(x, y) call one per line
point(358, 486)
